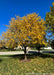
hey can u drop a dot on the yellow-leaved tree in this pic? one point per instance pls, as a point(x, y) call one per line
point(26, 30)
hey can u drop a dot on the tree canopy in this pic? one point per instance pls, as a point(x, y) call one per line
point(50, 19)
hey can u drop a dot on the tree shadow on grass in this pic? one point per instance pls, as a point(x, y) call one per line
point(0, 60)
point(32, 56)
point(21, 56)
point(46, 55)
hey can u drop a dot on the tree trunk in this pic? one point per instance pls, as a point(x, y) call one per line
point(25, 53)
point(38, 51)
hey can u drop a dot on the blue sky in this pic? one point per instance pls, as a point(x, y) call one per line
point(10, 8)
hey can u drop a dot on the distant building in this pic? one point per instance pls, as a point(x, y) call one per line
point(47, 48)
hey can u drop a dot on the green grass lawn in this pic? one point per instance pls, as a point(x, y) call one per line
point(43, 63)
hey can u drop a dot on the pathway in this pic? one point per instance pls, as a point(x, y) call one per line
point(22, 52)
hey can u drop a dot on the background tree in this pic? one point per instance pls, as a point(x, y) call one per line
point(52, 44)
point(50, 19)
